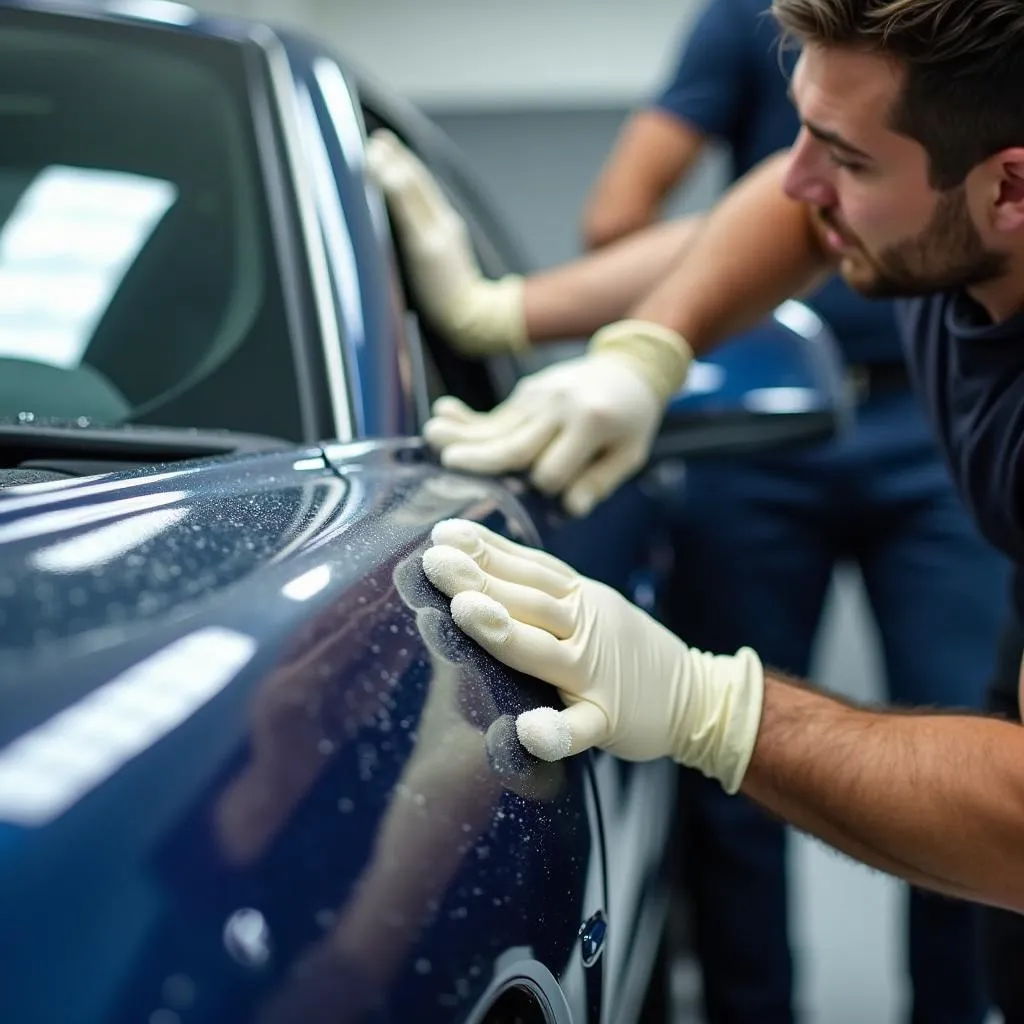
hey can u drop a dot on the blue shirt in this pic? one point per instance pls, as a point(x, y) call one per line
point(970, 374)
point(731, 85)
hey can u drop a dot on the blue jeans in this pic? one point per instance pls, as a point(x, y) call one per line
point(756, 541)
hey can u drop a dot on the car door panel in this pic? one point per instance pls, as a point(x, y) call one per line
point(619, 545)
point(279, 785)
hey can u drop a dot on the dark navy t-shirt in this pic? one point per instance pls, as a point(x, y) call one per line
point(731, 85)
point(970, 374)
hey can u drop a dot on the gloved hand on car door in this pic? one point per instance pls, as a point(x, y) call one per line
point(630, 686)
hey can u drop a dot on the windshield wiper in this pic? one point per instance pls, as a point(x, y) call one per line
point(78, 448)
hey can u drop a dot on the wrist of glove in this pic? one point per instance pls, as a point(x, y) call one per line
point(482, 317)
point(629, 685)
point(661, 356)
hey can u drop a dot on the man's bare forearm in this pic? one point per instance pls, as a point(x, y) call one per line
point(578, 298)
point(654, 152)
point(756, 249)
point(936, 799)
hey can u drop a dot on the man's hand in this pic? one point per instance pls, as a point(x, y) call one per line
point(478, 317)
point(581, 427)
point(631, 686)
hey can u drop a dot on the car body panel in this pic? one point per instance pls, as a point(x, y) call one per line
point(252, 732)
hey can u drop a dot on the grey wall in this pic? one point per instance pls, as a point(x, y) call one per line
point(492, 54)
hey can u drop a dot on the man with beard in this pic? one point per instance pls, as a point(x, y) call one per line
point(879, 497)
point(907, 176)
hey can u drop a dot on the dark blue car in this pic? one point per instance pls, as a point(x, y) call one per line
point(249, 771)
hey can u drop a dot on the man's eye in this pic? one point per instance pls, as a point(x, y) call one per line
point(846, 165)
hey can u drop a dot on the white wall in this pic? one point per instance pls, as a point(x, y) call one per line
point(496, 53)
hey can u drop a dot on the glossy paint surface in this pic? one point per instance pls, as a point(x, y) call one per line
point(248, 767)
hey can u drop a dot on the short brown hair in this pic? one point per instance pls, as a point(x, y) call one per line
point(963, 96)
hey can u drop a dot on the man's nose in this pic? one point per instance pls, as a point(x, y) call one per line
point(807, 178)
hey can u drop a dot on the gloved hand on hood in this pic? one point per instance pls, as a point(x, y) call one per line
point(630, 686)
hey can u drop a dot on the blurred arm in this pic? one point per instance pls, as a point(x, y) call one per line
point(584, 426)
point(654, 152)
point(659, 146)
point(577, 298)
point(479, 316)
point(756, 249)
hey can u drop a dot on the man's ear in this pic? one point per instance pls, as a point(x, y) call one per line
point(1008, 210)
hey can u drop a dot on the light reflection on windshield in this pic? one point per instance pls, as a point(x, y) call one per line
point(137, 278)
point(63, 252)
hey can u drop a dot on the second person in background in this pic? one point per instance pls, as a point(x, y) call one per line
point(757, 539)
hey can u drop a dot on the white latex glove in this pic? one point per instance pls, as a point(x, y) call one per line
point(582, 427)
point(631, 687)
point(478, 316)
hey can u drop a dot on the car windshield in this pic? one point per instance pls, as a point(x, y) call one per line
point(137, 278)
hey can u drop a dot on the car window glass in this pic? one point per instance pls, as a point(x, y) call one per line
point(137, 282)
